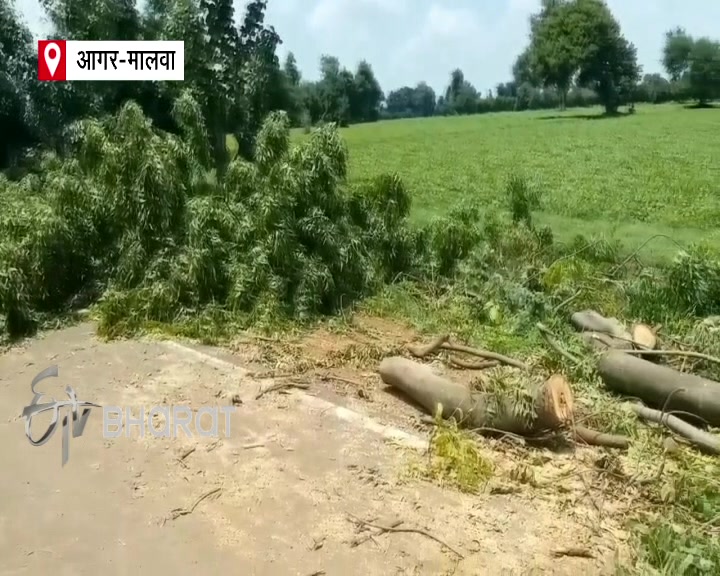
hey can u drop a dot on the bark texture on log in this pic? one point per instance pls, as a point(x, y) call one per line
point(552, 400)
point(601, 342)
point(652, 383)
point(591, 321)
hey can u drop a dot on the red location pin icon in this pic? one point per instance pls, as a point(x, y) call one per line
point(52, 57)
point(51, 60)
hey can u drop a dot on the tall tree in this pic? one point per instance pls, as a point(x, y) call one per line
point(367, 93)
point(423, 100)
point(554, 53)
point(291, 70)
point(16, 71)
point(694, 61)
point(704, 74)
point(608, 62)
point(676, 53)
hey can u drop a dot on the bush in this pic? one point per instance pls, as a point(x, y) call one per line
point(140, 215)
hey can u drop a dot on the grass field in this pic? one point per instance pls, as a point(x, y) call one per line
point(630, 177)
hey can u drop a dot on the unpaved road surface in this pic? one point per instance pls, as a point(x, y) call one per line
point(288, 480)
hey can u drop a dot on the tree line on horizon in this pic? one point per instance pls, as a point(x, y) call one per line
point(576, 56)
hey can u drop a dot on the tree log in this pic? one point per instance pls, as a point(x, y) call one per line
point(643, 337)
point(550, 403)
point(591, 321)
point(654, 384)
point(601, 342)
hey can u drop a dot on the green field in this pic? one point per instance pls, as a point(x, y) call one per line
point(629, 177)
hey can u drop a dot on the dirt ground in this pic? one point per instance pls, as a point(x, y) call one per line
point(285, 491)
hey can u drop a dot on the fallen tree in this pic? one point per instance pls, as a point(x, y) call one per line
point(545, 406)
point(661, 386)
point(540, 407)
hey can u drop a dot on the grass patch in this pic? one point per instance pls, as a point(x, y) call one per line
point(630, 177)
point(455, 458)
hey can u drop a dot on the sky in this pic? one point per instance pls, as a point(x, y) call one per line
point(407, 41)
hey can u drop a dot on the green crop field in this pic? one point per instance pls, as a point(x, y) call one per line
point(630, 177)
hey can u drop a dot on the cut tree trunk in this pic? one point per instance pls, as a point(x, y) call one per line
point(591, 321)
point(549, 404)
point(601, 342)
point(644, 337)
point(654, 384)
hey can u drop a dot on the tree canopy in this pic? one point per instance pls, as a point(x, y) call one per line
point(693, 62)
point(579, 41)
point(576, 56)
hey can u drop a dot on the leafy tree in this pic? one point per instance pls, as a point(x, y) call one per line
point(705, 70)
point(554, 54)
point(579, 40)
point(406, 102)
point(291, 70)
point(522, 70)
point(608, 62)
point(694, 62)
point(654, 88)
point(423, 100)
point(367, 93)
point(460, 96)
point(676, 53)
point(16, 73)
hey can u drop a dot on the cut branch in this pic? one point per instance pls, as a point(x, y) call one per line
point(486, 354)
point(441, 343)
point(482, 365)
point(709, 443)
point(434, 346)
point(595, 438)
point(551, 340)
point(652, 383)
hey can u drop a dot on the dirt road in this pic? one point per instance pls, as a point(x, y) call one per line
point(287, 481)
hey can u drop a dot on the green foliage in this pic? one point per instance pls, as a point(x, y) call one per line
point(455, 459)
point(695, 62)
point(523, 199)
point(675, 550)
point(580, 38)
point(625, 177)
point(141, 216)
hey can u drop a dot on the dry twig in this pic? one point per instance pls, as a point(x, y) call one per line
point(340, 379)
point(441, 342)
point(486, 354)
point(281, 386)
point(434, 346)
point(574, 552)
point(184, 455)
point(386, 529)
point(177, 512)
point(482, 365)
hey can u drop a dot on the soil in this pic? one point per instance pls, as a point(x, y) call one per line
point(287, 490)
